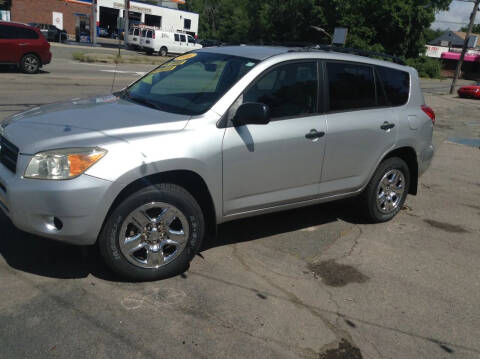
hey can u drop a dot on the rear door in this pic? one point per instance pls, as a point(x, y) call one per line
point(9, 44)
point(361, 126)
point(277, 163)
point(183, 44)
point(177, 47)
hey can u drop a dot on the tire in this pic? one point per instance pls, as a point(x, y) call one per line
point(147, 254)
point(30, 64)
point(163, 51)
point(389, 184)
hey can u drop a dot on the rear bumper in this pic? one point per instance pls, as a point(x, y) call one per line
point(425, 159)
point(79, 204)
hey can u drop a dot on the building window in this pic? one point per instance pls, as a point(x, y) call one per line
point(187, 23)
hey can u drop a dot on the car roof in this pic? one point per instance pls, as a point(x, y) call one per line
point(251, 52)
point(11, 23)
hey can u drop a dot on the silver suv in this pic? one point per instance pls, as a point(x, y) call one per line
point(211, 136)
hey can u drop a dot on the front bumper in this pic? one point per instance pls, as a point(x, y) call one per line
point(37, 206)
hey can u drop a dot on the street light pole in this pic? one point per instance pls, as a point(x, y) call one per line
point(319, 29)
point(465, 45)
point(94, 22)
point(125, 28)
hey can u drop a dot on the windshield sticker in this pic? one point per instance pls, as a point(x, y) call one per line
point(185, 57)
point(250, 64)
point(164, 69)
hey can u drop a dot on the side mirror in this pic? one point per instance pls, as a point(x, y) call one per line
point(252, 113)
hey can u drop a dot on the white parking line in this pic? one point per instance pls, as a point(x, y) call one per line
point(126, 72)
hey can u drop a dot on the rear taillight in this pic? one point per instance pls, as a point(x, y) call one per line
point(429, 113)
point(153, 35)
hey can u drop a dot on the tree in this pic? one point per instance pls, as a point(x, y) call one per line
point(475, 29)
point(399, 27)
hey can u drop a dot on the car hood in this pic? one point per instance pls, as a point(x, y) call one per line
point(89, 122)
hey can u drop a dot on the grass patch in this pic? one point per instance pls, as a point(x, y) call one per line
point(115, 59)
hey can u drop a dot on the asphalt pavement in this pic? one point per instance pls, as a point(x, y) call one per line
point(316, 282)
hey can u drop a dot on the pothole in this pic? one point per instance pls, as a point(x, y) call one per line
point(345, 350)
point(337, 275)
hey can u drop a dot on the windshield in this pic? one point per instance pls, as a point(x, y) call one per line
point(189, 84)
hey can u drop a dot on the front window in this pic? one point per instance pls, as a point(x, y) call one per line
point(189, 84)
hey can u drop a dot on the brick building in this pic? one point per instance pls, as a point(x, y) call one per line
point(43, 11)
point(75, 16)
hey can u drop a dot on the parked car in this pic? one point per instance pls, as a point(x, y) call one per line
point(212, 136)
point(470, 91)
point(51, 32)
point(23, 46)
point(164, 42)
point(102, 32)
point(209, 43)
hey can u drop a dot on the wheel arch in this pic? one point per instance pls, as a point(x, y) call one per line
point(187, 179)
point(409, 155)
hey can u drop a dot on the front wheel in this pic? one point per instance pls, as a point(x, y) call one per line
point(153, 234)
point(387, 190)
point(30, 64)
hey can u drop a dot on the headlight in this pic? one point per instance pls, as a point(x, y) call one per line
point(63, 164)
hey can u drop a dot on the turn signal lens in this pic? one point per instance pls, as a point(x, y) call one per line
point(79, 163)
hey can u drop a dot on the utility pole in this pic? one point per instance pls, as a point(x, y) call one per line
point(465, 45)
point(125, 28)
point(94, 22)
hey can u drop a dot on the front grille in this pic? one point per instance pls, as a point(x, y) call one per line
point(8, 154)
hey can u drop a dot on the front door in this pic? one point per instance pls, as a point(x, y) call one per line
point(277, 163)
point(361, 127)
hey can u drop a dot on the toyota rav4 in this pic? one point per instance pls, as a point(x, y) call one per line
point(211, 136)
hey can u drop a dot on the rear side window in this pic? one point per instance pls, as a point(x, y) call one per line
point(183, 38)
point(396, 85)
point(177, 37)
point(351, 86)
point(14, 32)
point(289, 90)
point(7, 32)
point(144, 33)
point(135, 32)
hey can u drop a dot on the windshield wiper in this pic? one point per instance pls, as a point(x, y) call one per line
point(141, 101)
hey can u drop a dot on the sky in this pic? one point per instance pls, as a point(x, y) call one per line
point(459, 12)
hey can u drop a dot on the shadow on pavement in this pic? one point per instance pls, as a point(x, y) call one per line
point(12, 69)
point(48, 258)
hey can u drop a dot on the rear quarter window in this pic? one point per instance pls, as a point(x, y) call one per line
point(396, 84)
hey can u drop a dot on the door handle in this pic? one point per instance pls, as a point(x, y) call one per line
point(314, 134)
point(25, 44)
point(387, 126)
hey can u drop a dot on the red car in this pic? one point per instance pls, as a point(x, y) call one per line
point(24, 46)
point(470, 91)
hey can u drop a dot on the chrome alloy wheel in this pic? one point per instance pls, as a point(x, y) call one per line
point(390, 191)
point(153, 235)
point(31, 63)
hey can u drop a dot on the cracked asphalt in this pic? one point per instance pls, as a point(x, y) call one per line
point(310, 283)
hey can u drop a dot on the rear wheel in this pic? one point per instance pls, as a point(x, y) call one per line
point(387, 191)
point(153, 234)
point(163, 51)
point(30, 63)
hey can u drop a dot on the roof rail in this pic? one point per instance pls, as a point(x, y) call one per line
point(359, 52)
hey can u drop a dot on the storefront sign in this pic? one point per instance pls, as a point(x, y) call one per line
point(435, 51)
point(57, 19)
point(134, 8)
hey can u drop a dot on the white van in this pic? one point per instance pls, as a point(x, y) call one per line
point(133, 38)
point(164, 42)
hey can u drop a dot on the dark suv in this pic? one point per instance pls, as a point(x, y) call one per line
point(51, 32)
point(24, 46)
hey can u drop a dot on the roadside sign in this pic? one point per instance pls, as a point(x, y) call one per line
point(340, 36)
